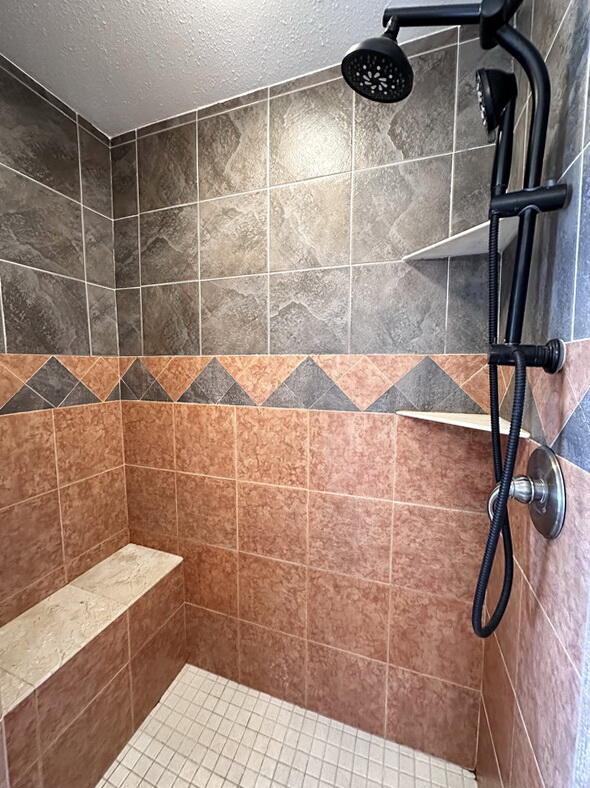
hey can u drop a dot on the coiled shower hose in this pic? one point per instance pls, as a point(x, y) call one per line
point(503, 469)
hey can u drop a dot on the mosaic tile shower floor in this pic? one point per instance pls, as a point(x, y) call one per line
point(210, 732)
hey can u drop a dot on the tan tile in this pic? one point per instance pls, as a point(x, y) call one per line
point(352, 453)
point(272, 593)
point(460, 367)
point(555, 400)
point(151, 500)
point(364, 383)
point(148, 430)
point(259, 376)
point(180, 372)
point(478, 388)
point(211, 576)
point(78, 365)
point(394, 367)
point(348, 613)
point(23, 366)
point(272, 662)
point(273, 521)
point(212, 641)
point(347, 688)
point(205, 439)
point(27, 449)
point(272, 446)
point(350, 535)
point(432, 716)
point(102, 377)
point(577, 367)
point(9, 385)
point(207, 509)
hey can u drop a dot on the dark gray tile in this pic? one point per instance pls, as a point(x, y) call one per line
point(471, 188)
point(236, 396)
point(53, 381)
point(391, 401)
point(95, 161)
point(334, 399)
point(126, 252)
point(156, 393)
point(196, 395)
point(86, 124)
point(422, 125)
point(399, 307)
point(400, 209)
point(470, 131)
point(308, 382)
point(283, 397)
point(170, 245)
point(126, 136)
point(129, 322)
point(309, 311)
point(23, 401)
point(98, 241)
point(546, 19)
point(307, 81)
point(167, 168)
point(458, 401)
point(11, 68)
point(233, 103)
point(79, 395)
point(169, 123)
point(573, 442)
point(311, 132)
point(567, 65)
point(2, 337)
point(115, 394)
point(43, 313)
point(234, 235)
point(138, 378)
point(102, 313)
point(234, 315)
point(426, 43)
point(310, 224)
point(232, 151)
point(171, 319)
point(215, 381)
point(123, 163)
point(582, 312)
point(427, 386)
point(39, 227)
point(468, 301)
point(125, 392)
point(37, 139)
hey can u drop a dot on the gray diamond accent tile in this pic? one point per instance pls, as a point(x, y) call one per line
point(460, 402)
point(24, 400)
point(125, 392)
point(236, 396)
point(156, 393)
point(283, 397)
point(53, 381)
point(215, 381)
point(195, 394)
point(334, 399)
point(80, 395)
point(308, 382)
point(115, 394)
point(426, 386)
point(390, 401)
point(573, 442)
point(138, 379)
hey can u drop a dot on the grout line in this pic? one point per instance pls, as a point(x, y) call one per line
point(455, 109)
point(139, 245)
point(62, 276)
point(3, 321)
point(268, 236)
point(489, 730)
point(448, 288)
point(84, 238)
point(61, 525)
point(199, 291)
point(351, 220)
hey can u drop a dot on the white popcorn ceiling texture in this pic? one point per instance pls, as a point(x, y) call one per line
point(126, 63)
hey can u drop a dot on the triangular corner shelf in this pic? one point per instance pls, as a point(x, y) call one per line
point(472, 421)
point(469, 242)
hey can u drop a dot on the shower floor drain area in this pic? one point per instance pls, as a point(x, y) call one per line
point(210, 732)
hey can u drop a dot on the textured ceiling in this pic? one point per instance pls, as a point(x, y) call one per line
point(125, 63)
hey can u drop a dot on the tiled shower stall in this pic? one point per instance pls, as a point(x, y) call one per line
point(207, 327)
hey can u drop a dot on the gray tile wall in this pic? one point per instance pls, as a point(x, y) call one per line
point(276, 222)
point(57, 276)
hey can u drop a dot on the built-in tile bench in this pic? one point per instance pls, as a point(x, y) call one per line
point(81, 670)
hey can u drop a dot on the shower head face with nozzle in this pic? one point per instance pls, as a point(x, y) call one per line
point(495, 90)
point(377, 69)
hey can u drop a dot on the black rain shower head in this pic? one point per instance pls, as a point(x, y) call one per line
point(495, 90)
point(377, 69)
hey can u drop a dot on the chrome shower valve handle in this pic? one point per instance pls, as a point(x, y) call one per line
point(543, 491)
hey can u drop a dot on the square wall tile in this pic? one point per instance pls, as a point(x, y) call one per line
point(422, 125)
point(169, 245)
point(210, 576)
point(310, 224)
point(148, 430)
point(272, 593)
point(352, 453)
point(129, 322)
point(95, 163)
point(232, 151)
point(500, 703)
point(348, 613)
point(347, 688)
point(167, 168)
point(27, 447)
point(205, 439)
point(310, 132)
point(273, 521)
point(432, 716)
point(98, 246)
point(171, 319)
point(154, 608)
point(22, 740)
point(102, 315)
point(471, 188)
point(151, 500)
point(234, 235)
point(351, 535)
point(124, 180)
point(212, 641)
point(234, 315)
point(390, 206)
point(126, 235)
point(272, 446)
point(309, 311)
point(399, 307)
point(272, 662)
point(206, 509)
point(467, 309)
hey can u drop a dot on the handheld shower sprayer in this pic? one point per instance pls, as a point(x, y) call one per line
point(378, 70)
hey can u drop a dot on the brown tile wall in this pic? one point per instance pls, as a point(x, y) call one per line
point(62, 499)
point(311, 549)
point(72, 727)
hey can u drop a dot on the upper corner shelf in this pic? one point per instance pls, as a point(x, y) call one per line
point(473, 421)
point(472, 241)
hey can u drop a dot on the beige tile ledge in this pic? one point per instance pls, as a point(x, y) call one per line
point(37, 643)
